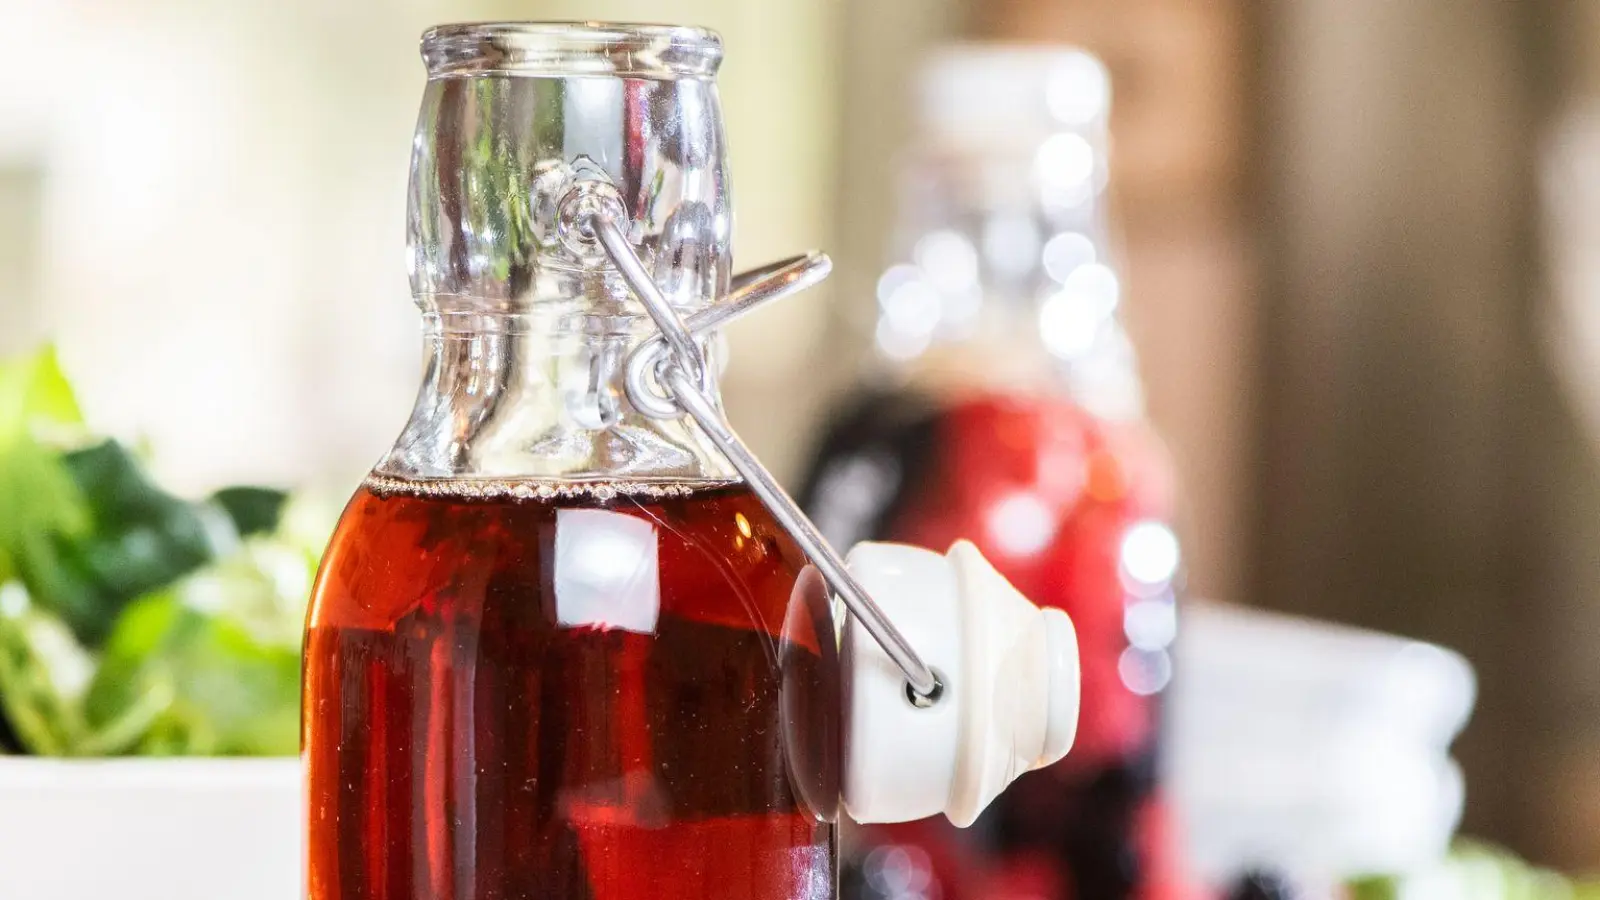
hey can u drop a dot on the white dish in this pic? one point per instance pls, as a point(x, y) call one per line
point(150, 829)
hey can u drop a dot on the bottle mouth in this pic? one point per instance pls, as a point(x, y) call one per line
point(563, 49)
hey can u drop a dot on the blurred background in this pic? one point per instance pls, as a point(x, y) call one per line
point(1355, 236)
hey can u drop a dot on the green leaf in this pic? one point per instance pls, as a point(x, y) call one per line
point(38, 498)
point(37, 494)
point(44, 676)
point(1473, 871)
point(222, 646)
point(35, 396)
point(1372, 887)
point(254, 510)
point(140, 539)
point(199, 632)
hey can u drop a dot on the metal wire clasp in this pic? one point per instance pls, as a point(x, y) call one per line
point(668, 377)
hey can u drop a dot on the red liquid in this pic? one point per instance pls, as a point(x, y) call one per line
point(614, 697)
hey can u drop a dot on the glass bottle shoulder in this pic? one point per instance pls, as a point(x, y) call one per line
point(603, 555)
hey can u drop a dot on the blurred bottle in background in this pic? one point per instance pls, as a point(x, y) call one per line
point(1008, 409)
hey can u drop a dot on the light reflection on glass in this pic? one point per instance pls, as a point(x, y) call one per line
point(1072, 199)
point(1096, 284)
point(1079, 90)
point(1068, 324)
point(1021, 524)
point(948, 259)
point(1144, 672)
point(606, 572)
point(1065, 161)
point(851, 488)
point(960, 309)
point(1011, 243)
point(1065, 252)
point(894, 278)
point(1151, 624)
point(897, 344)
point(1072, 319)
point(912, 307)
point(1150, 554)
point(900, 872)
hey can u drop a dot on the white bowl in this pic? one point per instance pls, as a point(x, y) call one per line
point(150, 829)
point(1314, 748)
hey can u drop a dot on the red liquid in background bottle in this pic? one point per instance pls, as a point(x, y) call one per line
point(1049, 493)
point(604, 695)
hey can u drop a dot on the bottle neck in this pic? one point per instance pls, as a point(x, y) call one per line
point(529, 327)
point(539, 395)
point(1002, 278)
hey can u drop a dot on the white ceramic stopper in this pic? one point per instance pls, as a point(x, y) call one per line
point(1009, 671)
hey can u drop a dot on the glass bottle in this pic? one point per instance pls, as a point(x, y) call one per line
point(556, 648)
point(1008, 409)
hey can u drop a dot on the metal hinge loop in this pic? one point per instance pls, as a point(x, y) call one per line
point(668, 377)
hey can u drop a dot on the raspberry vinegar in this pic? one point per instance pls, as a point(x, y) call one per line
point(611, 691)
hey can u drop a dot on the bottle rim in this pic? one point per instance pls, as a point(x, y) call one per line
point(565, 49)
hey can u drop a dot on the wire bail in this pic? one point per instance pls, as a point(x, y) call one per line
point(668, 377)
